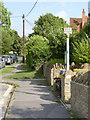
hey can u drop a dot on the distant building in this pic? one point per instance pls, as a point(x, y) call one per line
point(79, 23)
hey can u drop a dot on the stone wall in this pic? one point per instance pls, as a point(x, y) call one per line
point(79, 99)
point(51, 71)
point(66, 86)
point(80, 94)
point(47, 68)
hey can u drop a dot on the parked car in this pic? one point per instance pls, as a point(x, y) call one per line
point(9, 60)
point(2, 63)
point(11, 57)
point(4, 58)
point(14, 57)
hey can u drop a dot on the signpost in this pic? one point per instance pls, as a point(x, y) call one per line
point(67, 31)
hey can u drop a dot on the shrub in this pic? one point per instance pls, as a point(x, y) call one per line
point(81, 51)
point(56, 61)
point(38, 50)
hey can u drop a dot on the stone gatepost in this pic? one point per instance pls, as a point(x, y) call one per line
point(66, 86)
point(52, 78)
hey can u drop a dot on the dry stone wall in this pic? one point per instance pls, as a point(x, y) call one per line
point(51, 71)
point(80, 94)
point(66, 86)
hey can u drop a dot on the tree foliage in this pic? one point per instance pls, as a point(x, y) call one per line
point(38, 50)
point(79, 39)
point(6, 41)
point(10, 38)
point(5, 16)
point(52, 28)
point(81, 50)
point(17, 42)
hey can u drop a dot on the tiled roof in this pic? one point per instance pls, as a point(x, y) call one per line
point(75, 20)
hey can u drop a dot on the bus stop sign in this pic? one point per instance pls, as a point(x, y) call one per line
point(68, 30)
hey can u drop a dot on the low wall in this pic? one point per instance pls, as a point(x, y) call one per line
point(79, 99)
point(66, 86)
point(51, 71)
point(47, 70)
point(80, 94)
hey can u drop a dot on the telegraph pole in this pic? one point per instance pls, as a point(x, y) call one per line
point(23, 35)
point(40, 31)
point(16, 41)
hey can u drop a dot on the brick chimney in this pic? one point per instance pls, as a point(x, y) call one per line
point(83, 18)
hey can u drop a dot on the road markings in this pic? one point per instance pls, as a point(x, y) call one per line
point(8, 91)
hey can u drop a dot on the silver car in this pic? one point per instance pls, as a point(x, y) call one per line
point(9, 60)
point(5, 58)
point(2, 63)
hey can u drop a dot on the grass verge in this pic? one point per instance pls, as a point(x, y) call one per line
point(9, 83)
point(27, 73)
point(7, 70)
point(76, 70)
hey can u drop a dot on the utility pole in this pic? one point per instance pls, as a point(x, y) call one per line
point(16, 41)
point(23, 35)
point(40, 31)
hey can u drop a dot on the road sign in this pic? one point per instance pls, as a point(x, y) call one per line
point(68, 30)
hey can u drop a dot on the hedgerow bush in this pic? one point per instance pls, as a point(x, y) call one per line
point(81, 51)
point(56, 61)
point(37, 50)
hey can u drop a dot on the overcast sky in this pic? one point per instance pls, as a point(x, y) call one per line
point(64, 10)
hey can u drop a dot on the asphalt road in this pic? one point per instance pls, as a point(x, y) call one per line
point(33, 100)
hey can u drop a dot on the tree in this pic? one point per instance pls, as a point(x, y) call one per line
point(5, 24)
point(6, 41)
point(10, 38)
point(17, 42)
point(52, 28)
point(78, 37)
point(37, 49)
point(5, 17)
point(86, 30)
point(81, 51)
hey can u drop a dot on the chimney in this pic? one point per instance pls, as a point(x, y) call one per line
point(83, 18)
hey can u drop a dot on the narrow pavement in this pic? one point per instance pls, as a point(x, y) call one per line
point(33, 100)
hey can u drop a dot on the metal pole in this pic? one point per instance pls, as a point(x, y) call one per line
point(23, 36)
point(67, 51)
point(16, 41)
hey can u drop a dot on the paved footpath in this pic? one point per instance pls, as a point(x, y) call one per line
point(33, 100)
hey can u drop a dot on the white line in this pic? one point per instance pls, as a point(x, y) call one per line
point(8, 91)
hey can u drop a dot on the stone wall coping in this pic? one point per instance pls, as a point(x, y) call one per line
point(80, 84)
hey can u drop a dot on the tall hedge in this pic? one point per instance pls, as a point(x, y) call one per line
point(37, 50)
point(81, 50)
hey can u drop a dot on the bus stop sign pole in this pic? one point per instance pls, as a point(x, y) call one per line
point(67, 31)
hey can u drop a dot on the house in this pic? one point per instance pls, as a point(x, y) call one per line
point(79, 23)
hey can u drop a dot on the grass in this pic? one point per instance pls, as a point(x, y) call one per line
point(9, 113)
point(56, 61)
point(27, 73)
point(13, 98)
point(7, 69)
point(9, 107)
point(76, 70)
point(9, 83)
point(58, 101)
point(74, 116)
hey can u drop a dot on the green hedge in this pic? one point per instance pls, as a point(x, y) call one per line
point(56, 61)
